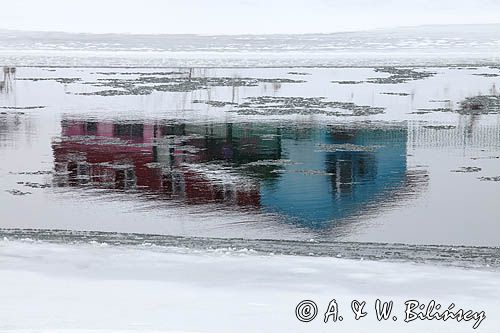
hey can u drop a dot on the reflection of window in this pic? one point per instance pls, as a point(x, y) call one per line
point(125, 179)
point(90, 128)
point(129, 178)
point(78, 172)
point(342, 135)
point(175, 129)
point(230, 193)
point(128, 130)
point(83, 170)
point(348, 168)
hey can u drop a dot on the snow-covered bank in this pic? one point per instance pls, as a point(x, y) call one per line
point(93, 287)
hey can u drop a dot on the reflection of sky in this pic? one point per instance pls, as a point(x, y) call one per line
point(353, 179)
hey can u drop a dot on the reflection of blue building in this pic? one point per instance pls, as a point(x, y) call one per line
point(338, 173)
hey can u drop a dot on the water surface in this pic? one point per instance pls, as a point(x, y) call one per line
point(397, 155)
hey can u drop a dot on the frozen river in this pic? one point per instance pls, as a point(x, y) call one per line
point(385, 154)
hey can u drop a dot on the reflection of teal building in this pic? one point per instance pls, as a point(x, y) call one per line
point(335, 172)
point(338, 173)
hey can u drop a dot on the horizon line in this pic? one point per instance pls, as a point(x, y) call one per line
point(247, 34)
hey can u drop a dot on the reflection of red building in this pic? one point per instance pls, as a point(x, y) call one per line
point(140, 156)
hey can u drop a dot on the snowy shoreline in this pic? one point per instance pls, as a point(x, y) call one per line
point(93, 287)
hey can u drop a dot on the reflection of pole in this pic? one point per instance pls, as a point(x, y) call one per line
point(229, 133)
point(233, 94)
point(278, 136)
point(8, 75)
point(2, 83)
point(155, 144)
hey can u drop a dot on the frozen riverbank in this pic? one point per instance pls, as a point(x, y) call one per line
point(101, 288)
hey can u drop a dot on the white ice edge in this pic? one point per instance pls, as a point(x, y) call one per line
point(68, 288)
